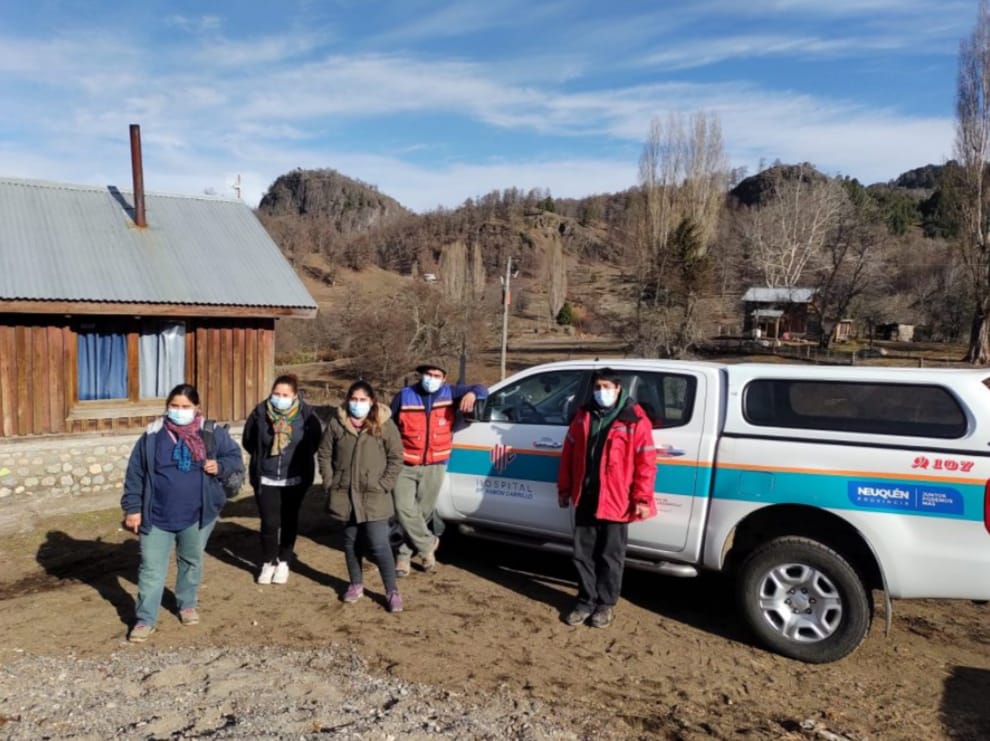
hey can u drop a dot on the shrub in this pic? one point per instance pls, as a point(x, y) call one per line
point(565, 317)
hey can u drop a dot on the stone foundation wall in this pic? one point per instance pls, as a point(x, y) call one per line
point(40, 477)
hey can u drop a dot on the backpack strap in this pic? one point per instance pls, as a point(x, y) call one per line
point(209, 438)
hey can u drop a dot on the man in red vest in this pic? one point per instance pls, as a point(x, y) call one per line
point(425, 413)
point(607, 471)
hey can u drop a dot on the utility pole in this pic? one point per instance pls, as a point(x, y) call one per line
point(506, 300)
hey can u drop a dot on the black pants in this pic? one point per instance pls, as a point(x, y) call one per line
point(372, 538)
point(599, 555)
point(278, 507)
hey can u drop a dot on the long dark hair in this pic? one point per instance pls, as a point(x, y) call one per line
point(183, 389)
point(371, 422)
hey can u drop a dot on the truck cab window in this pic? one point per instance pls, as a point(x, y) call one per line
point(667, 398)
point(542, 399)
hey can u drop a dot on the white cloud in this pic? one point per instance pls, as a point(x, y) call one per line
point(213, 104)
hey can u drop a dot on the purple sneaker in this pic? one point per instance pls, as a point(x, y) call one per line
point(354, 593)
point(394, 602)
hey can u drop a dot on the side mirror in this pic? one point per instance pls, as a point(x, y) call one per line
point(480, 411)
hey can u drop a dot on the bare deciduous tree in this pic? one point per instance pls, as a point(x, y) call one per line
point(683, 174)
point(972, 149)
point(453, 270)
point(477, 278)
point(382, 340)
point(853, 265)
point(556, 277)
point(785, 237)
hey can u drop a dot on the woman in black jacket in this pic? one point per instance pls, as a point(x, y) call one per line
point(281, 437)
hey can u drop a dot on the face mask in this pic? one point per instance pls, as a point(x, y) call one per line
point(282, 402)
point(182, 417)
point(359, 409)
point(431, 384)
point(606, 398)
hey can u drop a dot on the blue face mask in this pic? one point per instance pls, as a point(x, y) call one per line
point(182, 417)
point(431, 384)
point(359, 409)
point(606, 398)
point(282, 402)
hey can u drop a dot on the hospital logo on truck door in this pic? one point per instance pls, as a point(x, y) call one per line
point(501, 456)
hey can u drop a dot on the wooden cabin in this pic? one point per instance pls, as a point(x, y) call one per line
point(777, 313)
point(108, 300)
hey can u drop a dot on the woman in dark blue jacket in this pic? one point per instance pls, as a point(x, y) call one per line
point(281, 436)
point(172, 496)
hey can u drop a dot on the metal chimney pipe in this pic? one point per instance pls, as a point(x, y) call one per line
point(137, 172)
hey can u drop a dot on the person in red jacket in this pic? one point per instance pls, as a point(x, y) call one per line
point(607, 470)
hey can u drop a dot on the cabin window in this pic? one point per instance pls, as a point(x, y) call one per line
point(162, 362)
point(130, 359)
point(102, 364)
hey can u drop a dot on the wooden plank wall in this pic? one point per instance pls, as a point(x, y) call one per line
point(231, 363)
point(234, 365)
point(32, 388)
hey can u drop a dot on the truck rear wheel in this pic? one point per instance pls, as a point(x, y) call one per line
point(804, 600)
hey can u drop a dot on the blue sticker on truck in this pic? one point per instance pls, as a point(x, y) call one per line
point(922, 498)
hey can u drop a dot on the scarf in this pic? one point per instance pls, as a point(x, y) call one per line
point(281, 425)
point(189, 446)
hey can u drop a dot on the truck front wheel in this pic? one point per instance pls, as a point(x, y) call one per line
point(803, 600)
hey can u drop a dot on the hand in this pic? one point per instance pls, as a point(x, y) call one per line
point(467, 402)
point(132, 522)
point(211, 467)
point(563, 500)
point(642, 511)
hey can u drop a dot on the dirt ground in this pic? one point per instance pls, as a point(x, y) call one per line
point(677, 662)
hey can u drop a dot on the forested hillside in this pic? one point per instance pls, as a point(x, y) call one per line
point(875, 254)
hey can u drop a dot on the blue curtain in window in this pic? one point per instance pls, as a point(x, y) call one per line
point(102, 365)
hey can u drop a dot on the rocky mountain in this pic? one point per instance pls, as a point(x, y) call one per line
point(348, 205)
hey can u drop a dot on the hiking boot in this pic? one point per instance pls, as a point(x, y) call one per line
point(403, 565)
point(140, 633)
point(189, 616)
point(603, 617)
point(267, 573)
point(354, 593)
point(394, 602)
point(430, 557)
point(578, 615)
point(281, 575)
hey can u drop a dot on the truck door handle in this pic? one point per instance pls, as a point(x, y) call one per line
point(546, 442)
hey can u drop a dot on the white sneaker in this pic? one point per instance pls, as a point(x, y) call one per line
point(281, 573)
point(267, 573)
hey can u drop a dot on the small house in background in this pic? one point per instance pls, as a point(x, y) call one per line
point(101, 314)
point(895, 331)
point(844, 329)
point(780, 313)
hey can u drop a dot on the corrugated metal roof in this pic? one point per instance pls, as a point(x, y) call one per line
point(778, 295)
point(79, 243)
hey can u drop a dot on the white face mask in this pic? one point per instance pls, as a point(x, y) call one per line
point(282, 402)
point(359, 409)
point(181, 417)
point(606, 398)
point(431, 384)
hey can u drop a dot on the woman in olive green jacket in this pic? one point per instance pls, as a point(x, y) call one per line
point(360, 457)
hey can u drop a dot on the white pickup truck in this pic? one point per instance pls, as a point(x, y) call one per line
point(814, 486)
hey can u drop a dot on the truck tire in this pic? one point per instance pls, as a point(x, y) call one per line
point(803, 600)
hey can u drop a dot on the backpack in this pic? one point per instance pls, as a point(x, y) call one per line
point(231, 481)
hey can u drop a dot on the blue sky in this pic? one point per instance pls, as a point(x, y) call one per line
point(435, 102)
